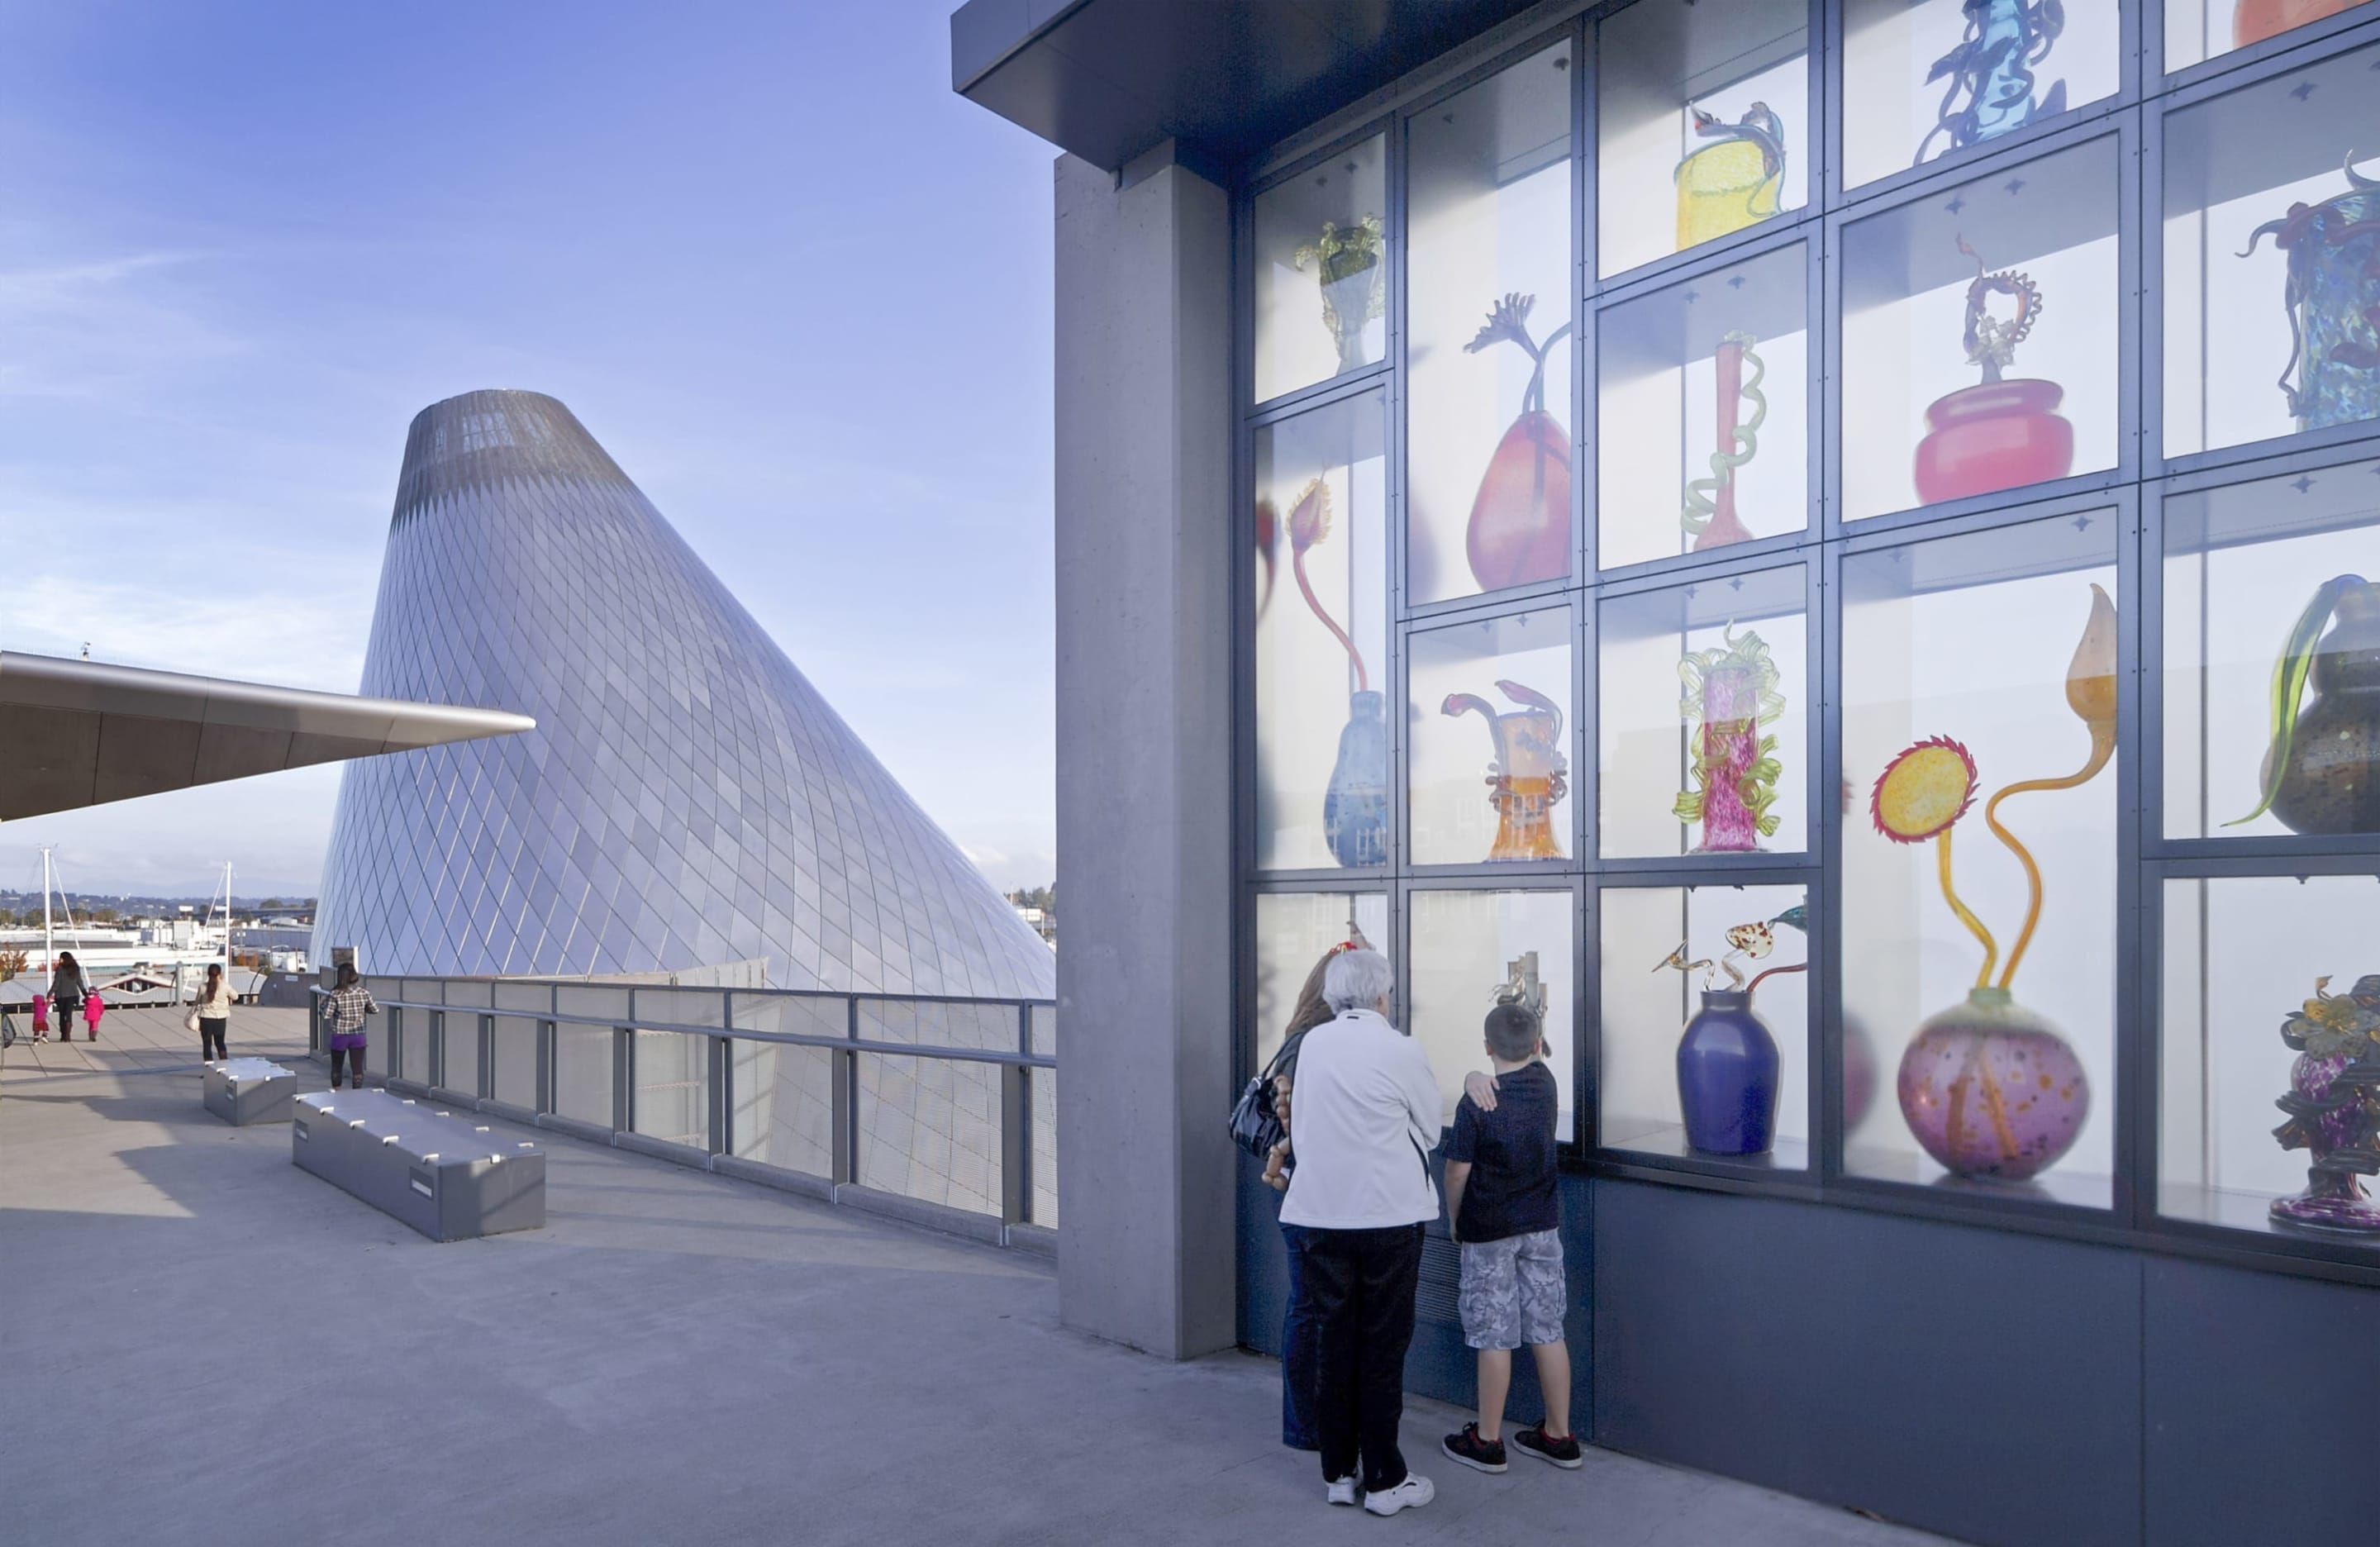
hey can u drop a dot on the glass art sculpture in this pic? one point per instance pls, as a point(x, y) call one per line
point(1522, 985)
point(2003, 433)
point(1731, 692)
point(1519, 519)
point(1988, 1088)
point(1355, 802)
point(2254, 20)
point(1709, 517)
point(2333, 299)
point(1529, 775)
point(2320, 765)
point(1727, 1064)
point(2334, 1106)
point(1347, 264)
point(1733, 181)
point(1991, 74)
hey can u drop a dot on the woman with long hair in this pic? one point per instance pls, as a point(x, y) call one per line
point(213, 1013)
point(343, 1015)
point(65, 994)
point(1301, 1344)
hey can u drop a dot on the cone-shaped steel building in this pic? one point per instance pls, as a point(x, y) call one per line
point(688, 799)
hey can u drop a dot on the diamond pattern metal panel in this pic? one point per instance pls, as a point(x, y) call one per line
point(687, 798)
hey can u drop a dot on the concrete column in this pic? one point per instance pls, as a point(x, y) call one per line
point(1144, 485)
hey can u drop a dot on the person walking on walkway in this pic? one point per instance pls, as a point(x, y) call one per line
point(65, 994)
point(1366, 1119)
point(41, 1018)
point(213, 1013)
point(92, 1009)
point(345, 1009)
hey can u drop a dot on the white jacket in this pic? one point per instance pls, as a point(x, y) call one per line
point(1363, 1120)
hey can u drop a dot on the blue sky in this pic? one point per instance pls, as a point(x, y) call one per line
point(797, 288)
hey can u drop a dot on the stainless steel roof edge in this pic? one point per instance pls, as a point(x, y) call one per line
point(95, 687)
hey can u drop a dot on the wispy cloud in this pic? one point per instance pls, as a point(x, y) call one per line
point(78, 329)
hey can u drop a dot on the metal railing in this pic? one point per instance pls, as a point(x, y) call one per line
point(938, 1110)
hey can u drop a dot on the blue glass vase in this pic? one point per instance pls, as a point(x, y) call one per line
point(1727, 1077)
point(1355, 807)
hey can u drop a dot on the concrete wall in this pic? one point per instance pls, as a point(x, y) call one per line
point(1144, 479)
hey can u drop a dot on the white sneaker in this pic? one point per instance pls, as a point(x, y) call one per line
point(1412, 1493)
point(1342, 1490)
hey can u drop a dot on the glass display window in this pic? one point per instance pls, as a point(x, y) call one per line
point(2271, 257)
point(1322, 271)
point(1702, 742)
point(1321, 638)
point(1295, 932)
point(1474, 950)
point(1925, 79)
point(2270, 1009)
point(1704, 1034)
point(1982, 342)
point(1980, 703)
point(1702, 120)
point(1489, 728)
point(1489, 331)
point(1703, 411)
point(2271, 700)
point(2197, 31)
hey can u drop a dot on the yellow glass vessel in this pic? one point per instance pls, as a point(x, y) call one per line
point(1725, 188)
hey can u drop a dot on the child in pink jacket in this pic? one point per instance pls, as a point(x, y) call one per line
point(91, 1010)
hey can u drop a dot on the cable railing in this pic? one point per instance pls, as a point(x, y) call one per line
point(935, 1109)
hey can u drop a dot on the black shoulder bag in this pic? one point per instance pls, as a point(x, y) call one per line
point(1255, 1127)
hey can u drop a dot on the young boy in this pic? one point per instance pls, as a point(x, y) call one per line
point(1507, 1217)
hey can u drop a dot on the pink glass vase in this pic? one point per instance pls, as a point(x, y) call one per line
point(1989, 1088)
point(1730, 745)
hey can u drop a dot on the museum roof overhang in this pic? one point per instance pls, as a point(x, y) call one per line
point(1223, 79)
point(84, 733)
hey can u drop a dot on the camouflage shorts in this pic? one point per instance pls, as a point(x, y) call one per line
point(1514, 1294)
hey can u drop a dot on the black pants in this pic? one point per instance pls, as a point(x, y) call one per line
point(211, 1038)
point(341, 1055)
point(1360, 1284)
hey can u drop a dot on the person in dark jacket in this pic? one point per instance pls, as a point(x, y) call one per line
point(66, 994)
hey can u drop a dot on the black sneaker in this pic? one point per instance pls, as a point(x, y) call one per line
point(1563, 1453)
point(1480, 1456)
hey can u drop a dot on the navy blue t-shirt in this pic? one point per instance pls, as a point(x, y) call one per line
point(1511, 1150)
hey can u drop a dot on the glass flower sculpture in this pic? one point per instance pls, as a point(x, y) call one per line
point(1355, 803)
point(2334, 1106)
point(1988, 1088)
point(1354, 291)
point(1709, 517)
point(1731, 692)
point(1519, 519)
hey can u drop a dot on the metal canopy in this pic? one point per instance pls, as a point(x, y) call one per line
point(77, 733)
point(1109, 79)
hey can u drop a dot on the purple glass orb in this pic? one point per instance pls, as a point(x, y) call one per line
point(1992, 1090)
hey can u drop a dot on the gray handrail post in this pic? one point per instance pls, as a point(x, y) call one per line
point(624, 1072)
point(437, 1049)
point(543, 1097)
point(486, 1089)
point(1016, 1128)
point(721, 1068)
point(843, 1066)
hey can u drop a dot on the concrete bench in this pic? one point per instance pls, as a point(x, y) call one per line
point(245, 1090)
point(444, 1176)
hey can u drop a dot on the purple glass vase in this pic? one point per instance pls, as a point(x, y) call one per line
point(1991, 1089)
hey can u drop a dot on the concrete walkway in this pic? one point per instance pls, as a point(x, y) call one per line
point(200, 1343)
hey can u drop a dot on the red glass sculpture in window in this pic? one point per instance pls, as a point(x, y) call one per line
point(2004, 433)
point(1710, 516)
point(1519, 519)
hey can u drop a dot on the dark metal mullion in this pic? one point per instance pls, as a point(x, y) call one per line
point(2138, 1088)
point(1583, 386)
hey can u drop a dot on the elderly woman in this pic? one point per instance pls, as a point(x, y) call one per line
point(1364, 1122)
point(1300, 1341)
point(345, 1011)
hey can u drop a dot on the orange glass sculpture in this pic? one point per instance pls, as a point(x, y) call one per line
point(1530, 775)
point(2254, 20)
point(1520, 520)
